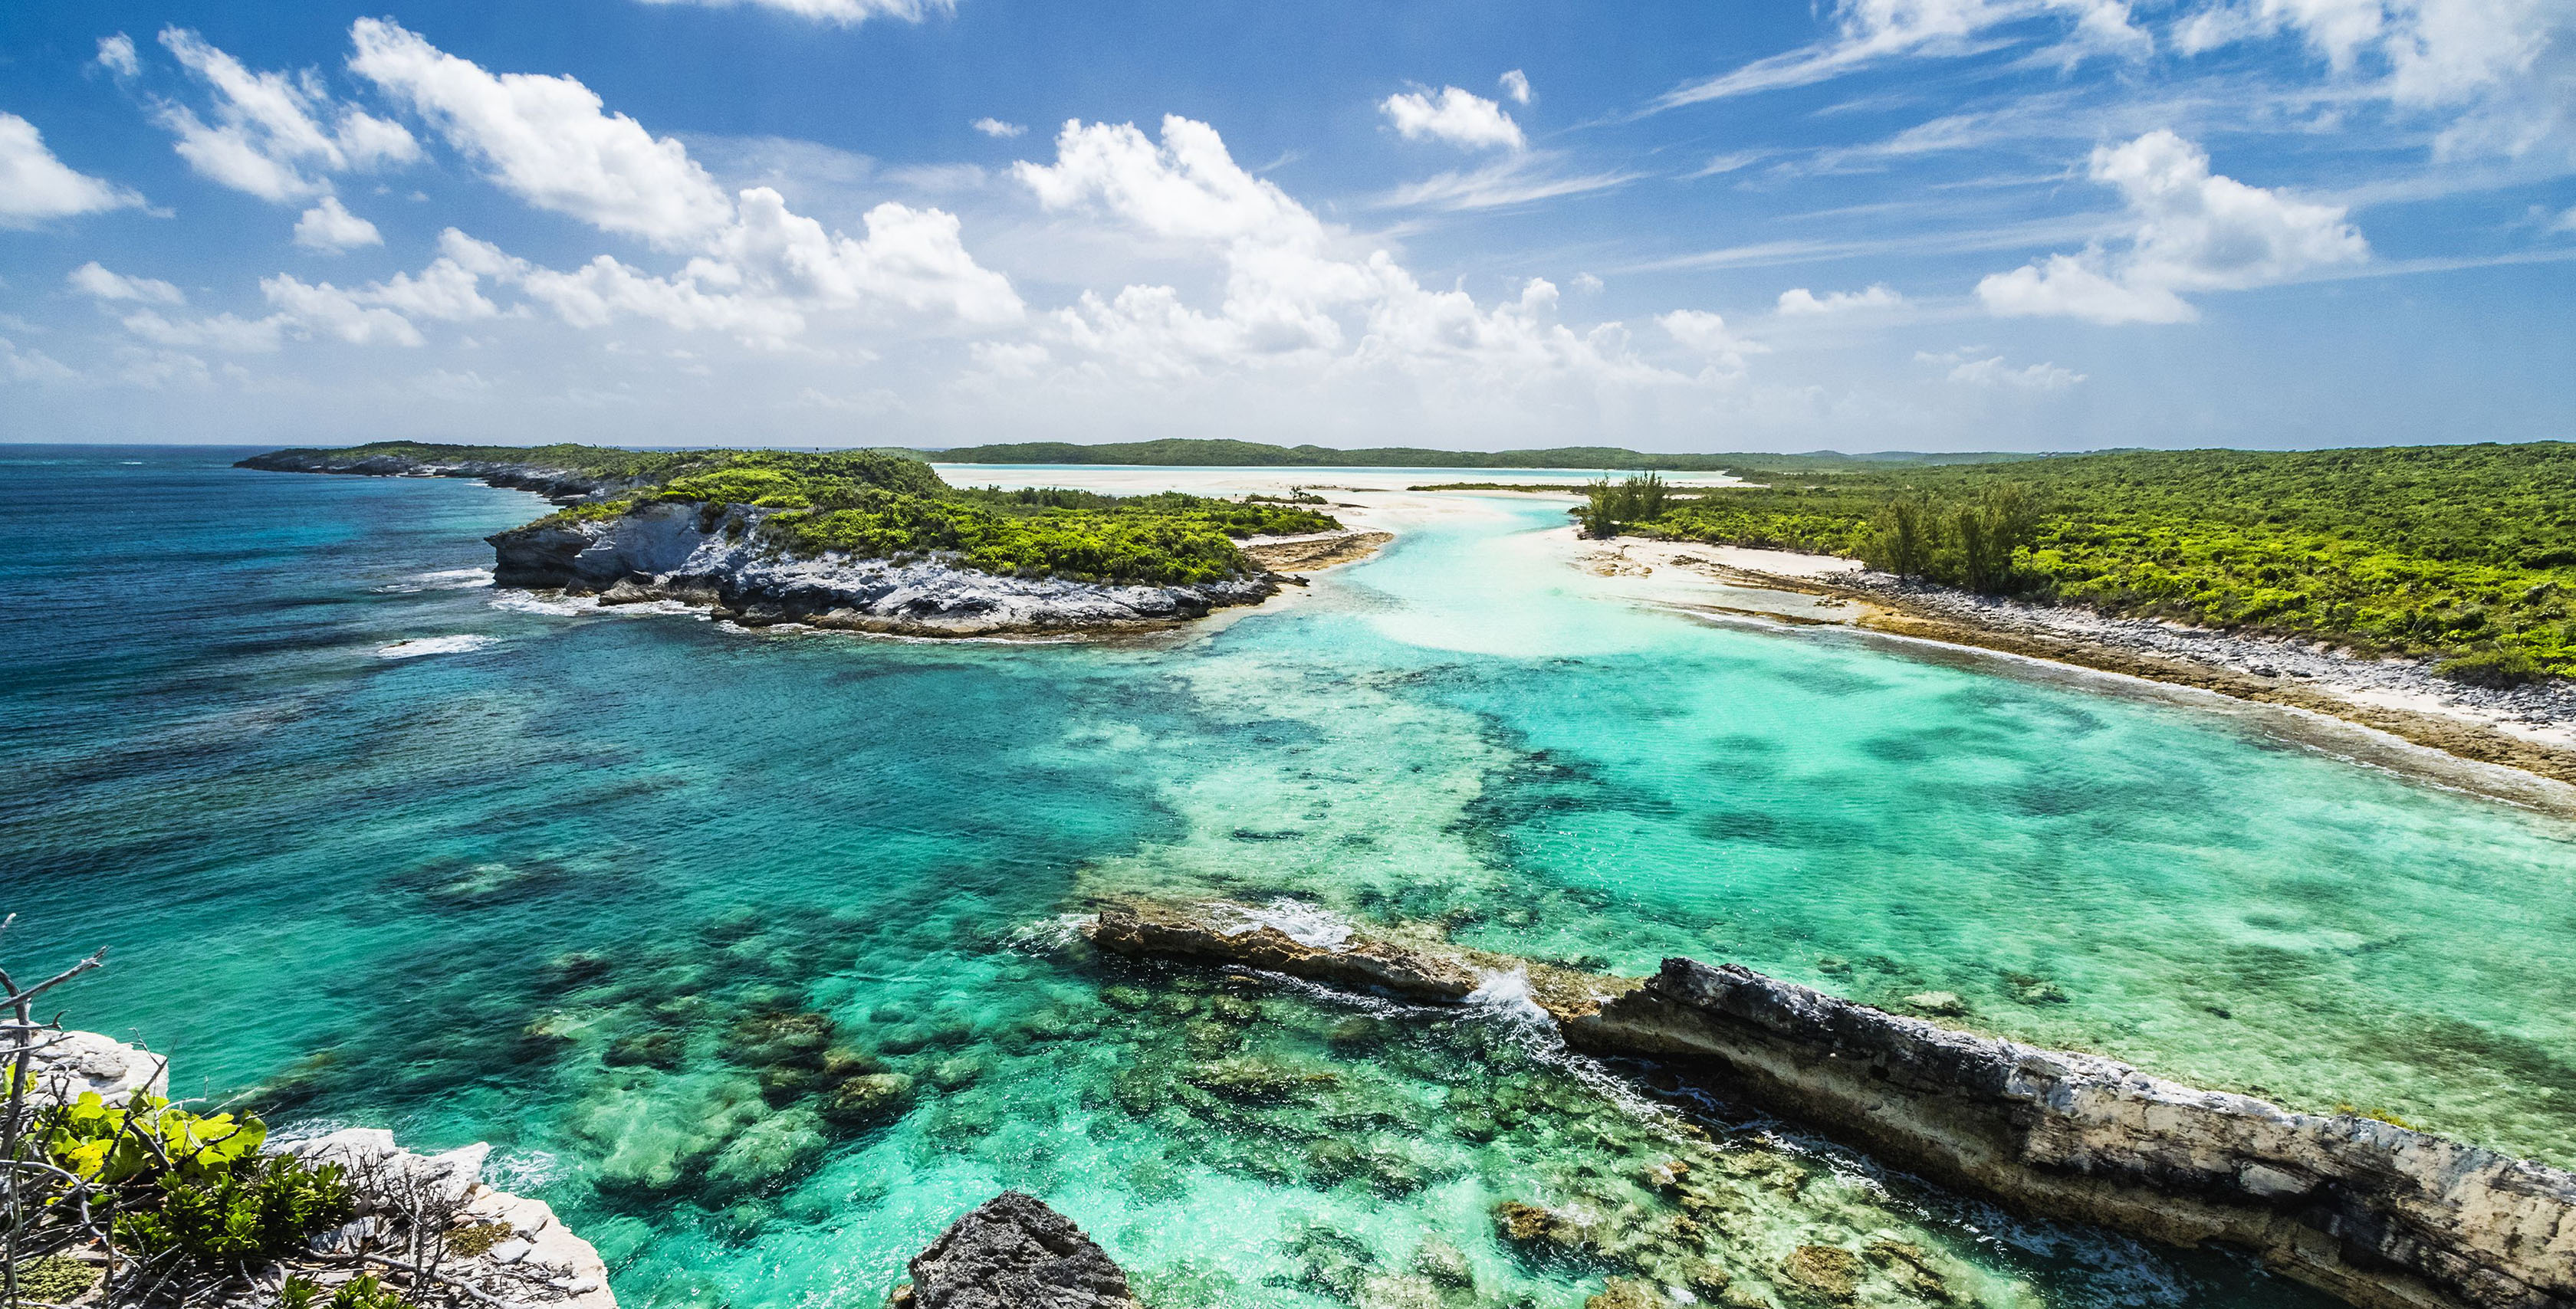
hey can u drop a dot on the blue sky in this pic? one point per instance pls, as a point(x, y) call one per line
point(1871, 224)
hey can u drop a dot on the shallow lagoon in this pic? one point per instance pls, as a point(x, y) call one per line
point(637, 898)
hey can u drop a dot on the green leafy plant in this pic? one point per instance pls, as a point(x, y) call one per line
point(251, 1212)
point(361, 1292)
point(110, 1144)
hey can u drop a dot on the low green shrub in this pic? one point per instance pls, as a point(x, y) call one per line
point(251, 1212)
point(360, 1292)
point(2495, 668)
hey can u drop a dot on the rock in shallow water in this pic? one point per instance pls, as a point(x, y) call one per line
point(1014, 1253)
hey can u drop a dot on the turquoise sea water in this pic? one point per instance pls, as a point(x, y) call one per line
point(743, 948)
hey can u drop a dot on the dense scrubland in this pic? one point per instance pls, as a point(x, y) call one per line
point(889, 504)
point(2467, 553)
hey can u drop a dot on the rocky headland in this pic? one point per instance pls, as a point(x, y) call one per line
point(715, 555)
point(2380, 1215)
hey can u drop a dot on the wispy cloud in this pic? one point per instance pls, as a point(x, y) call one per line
point(1520, 180)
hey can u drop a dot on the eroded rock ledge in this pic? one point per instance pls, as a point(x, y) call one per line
point(2380, 1215)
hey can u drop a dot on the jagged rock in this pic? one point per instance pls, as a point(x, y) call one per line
point(1015, 1253)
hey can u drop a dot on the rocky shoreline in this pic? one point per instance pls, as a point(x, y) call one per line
point(2380, 1215)
point(709, 557)
point(501, 1249)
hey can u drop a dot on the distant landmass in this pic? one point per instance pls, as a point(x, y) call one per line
point(1204, 454)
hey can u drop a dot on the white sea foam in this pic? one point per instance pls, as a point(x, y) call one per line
point(1303, 923)
point(1507, 995)
point(433, 645)
point(529, 602)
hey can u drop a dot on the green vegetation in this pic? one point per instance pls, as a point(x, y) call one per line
point(880, 504)
point(2467, 553)
point(182, 1188)
point(245, 1214)
point(361, 1292)
point(1203, 454)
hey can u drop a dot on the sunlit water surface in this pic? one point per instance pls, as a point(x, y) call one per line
point(744, 949)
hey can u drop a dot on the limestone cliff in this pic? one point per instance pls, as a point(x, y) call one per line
point(713, 556)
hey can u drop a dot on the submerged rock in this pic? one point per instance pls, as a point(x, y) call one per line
point(1014, 1253)
point(1823, 1272)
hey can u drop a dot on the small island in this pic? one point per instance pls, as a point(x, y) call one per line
point(861, 540)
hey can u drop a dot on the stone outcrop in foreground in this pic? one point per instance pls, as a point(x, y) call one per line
point(1014, 1253)
point(507, 1250)
point(2380, 1215)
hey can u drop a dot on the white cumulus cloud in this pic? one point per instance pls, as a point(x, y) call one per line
point(1461, 118)
point(36, 186)
point(757, 269)
point(1798, 300)
point(116, 55)
point(327, 308)
point(847, 13)
point(2194, 230)
point(1295, 293)
point(329, 228)
point(994, 127)
point(91, 280)
point(1516, 84)
point(274, 136)
point(547, 140)
point(1708, 334)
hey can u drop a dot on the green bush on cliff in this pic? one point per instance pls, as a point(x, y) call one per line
point(881, 504)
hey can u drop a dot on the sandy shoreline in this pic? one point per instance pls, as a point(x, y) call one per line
point(2532, 729)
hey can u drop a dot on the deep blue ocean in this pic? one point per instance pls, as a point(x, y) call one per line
point(372, 842)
